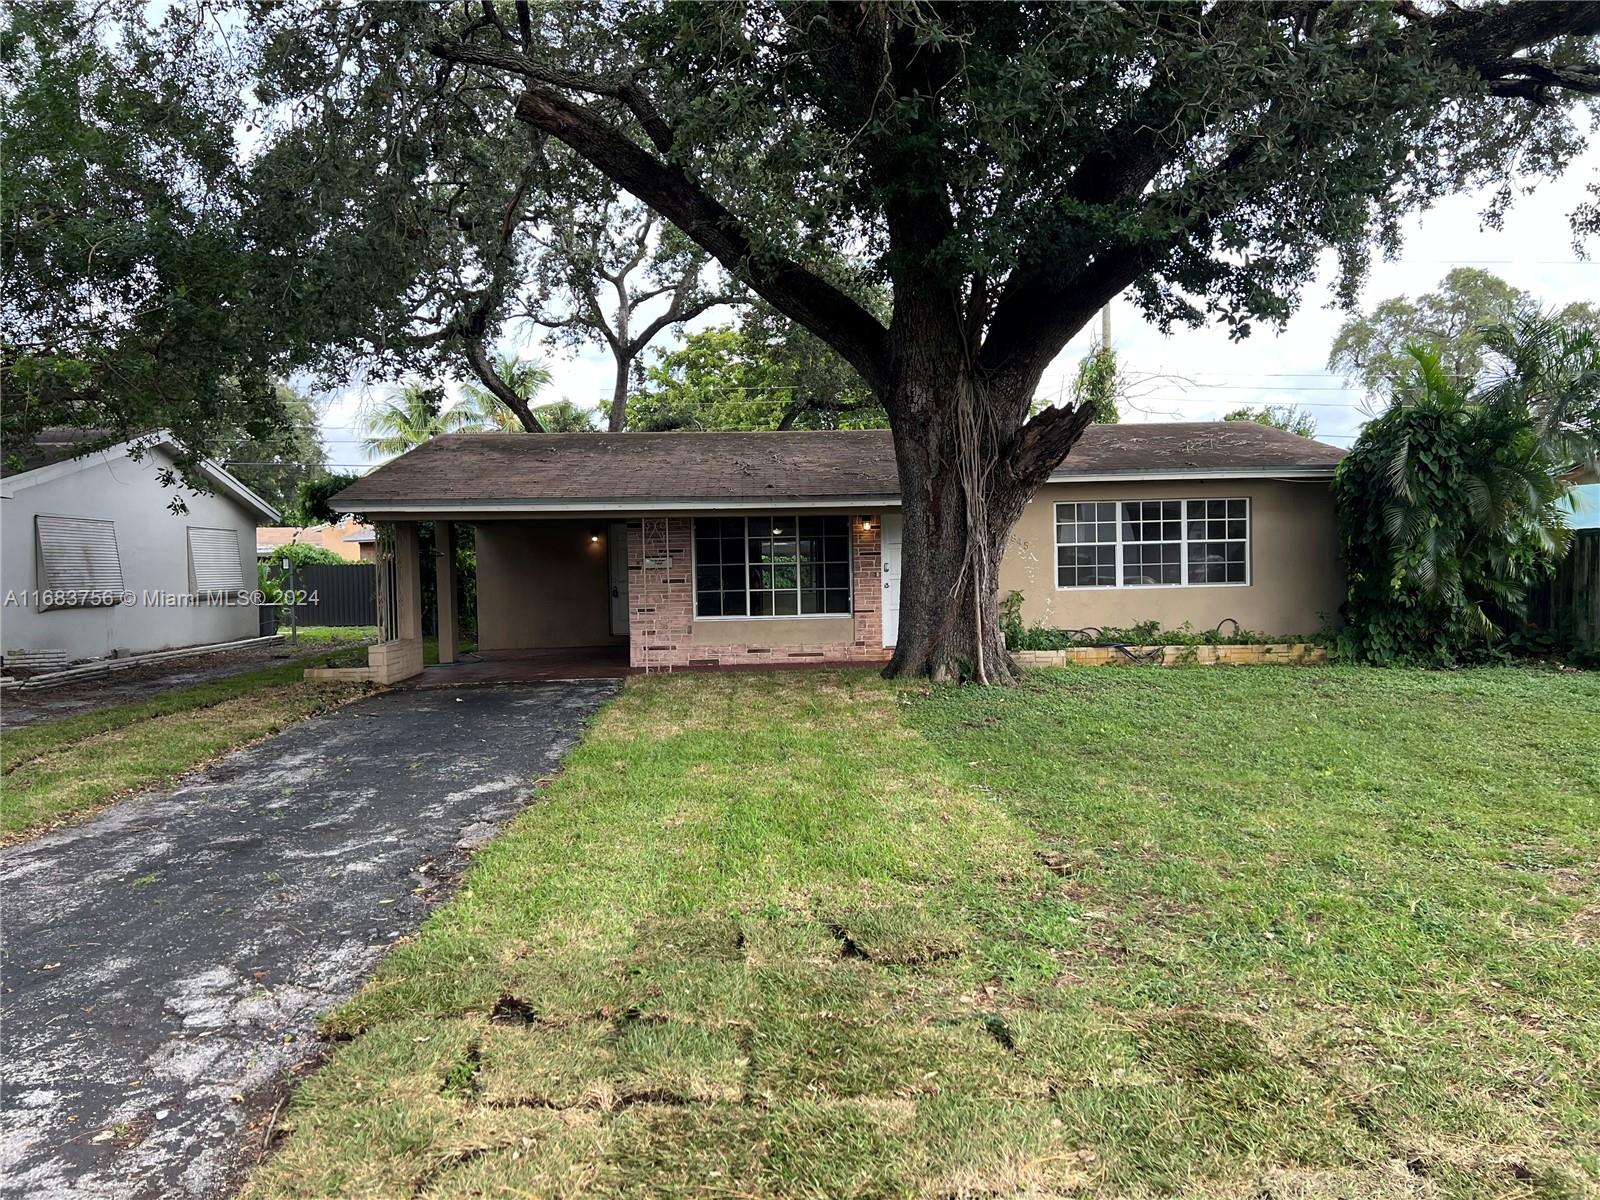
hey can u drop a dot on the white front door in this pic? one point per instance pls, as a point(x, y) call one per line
point(617, 572)
point(891, 578)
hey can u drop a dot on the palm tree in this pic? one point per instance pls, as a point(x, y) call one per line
point(1451, 500)
point(411, 416)
point(563, 416)
point(1549, 369)
point(487, 413)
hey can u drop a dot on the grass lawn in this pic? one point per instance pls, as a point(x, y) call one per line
point(1300, 934)
point(59, 769)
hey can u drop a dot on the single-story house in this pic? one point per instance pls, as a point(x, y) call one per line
point(350, 539)
point(94, 562)
point(709, 549)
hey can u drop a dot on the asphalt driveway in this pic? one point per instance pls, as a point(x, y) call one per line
point(28, 706)
point(165, 963)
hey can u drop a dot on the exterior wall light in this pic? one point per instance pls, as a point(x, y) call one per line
point(594, 533)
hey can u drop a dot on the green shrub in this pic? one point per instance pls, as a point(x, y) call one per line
point(1449, 502)
point(303, 554)
point(1147, 633)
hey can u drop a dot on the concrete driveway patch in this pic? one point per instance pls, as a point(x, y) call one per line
point(164, 964)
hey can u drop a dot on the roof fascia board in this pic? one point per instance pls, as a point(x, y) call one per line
point(1312, 471)
point(241, 494)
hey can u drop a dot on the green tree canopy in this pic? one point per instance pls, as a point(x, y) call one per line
point(310, 505)
point(291, 453)
point(764, 373)
point(1374, 348)
point(411, 415)
point(1287, 417)
point(486, 411)
point(1098, 384)
point(126, 298)
point(563, 416)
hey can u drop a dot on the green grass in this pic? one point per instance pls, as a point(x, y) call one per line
point(63, 769)
point(1310, 933)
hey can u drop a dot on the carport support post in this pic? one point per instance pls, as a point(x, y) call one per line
point(407, 581)
point(444, 543)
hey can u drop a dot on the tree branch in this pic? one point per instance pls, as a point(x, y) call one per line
point(478, 357)
point(1493, 42)
point(621, 88)
point(1038, 312)
point(1041, 444)
point(675, 314)
point(792, 289)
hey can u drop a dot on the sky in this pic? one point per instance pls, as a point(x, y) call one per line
point(1198, 374)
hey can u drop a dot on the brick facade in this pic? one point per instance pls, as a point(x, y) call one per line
point(661, 605)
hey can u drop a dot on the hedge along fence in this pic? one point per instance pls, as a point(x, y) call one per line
point(1282, 653)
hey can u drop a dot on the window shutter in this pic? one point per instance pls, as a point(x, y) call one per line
point(78, 561)
point(214, 561)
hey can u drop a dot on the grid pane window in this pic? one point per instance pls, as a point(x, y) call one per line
point(719, 582)
point(783, 565)
point(1217, 531)
point(1086, 545)
point(1153, 543)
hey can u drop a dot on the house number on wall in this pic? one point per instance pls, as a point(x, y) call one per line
point(660, 563)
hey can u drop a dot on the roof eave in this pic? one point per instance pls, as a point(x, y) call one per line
point(1299, 471)
point(623, 504)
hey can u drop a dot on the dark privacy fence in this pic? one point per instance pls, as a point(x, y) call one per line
point(1569, 604)
point(345, 594)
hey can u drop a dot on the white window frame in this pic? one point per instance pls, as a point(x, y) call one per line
point(1183, 522)
point(747, 615)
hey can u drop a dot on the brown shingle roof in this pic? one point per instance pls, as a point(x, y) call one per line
point(462, 469)
point(50, 446)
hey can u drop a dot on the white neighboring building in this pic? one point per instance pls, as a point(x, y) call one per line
point(94, 562)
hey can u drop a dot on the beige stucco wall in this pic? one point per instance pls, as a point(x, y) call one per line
point(542, 584)
point(1296, 577)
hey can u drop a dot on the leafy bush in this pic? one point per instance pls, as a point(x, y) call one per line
point(311, 505)
point(1146, 633)
point(303, 554)
point(1449, 503)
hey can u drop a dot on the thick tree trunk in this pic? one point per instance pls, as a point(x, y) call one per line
point(951, 546)
point(617, 419)
point(967, 470)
